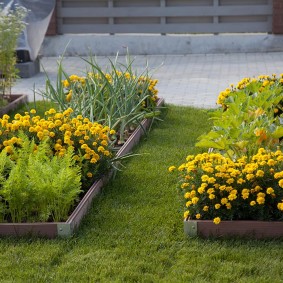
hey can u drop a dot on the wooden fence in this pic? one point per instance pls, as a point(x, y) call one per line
point(164, 16)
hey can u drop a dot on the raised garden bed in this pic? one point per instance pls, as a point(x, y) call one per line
point(251, 229)
point(13, 102)
point(67, 228)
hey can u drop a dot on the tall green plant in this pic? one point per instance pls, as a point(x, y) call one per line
point(11, 26)
point(117, 97)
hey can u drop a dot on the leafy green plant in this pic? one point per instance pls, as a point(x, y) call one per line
point(247, 122)
point(117, 97)
point(11, 26)
point(38, 185)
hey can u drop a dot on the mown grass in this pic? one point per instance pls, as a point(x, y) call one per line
point(134, 230)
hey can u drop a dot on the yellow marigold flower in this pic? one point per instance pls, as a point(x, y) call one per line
point(9, 149)
point(32, 111)
point(217, 205)
point(87, 156)
point(211, 196)
point(260, 173)
point(6, 117)
point(201, 190)
point(240, 181)
point(260, 200)
point(14, 140)
point(112, 132)
point(184, 185)
point(195, 200)
point(280, 206)
point(245, 195)
point(271, 162)
point(89, 174)
point(57, 146)
point(187, 195)
point(211, 180)
point(269, 191)
point(230, 181)
point(6, 143)
point(84, 146)
point(232, 197)
point(186, 214)
point(222, 188)
point(106, 153)
point(66, 83)
point(216, 220)
point(100, 149)
point(93, 160)
point(198, 216)
point(204, 178)
point(17, 116)
point(40, 135)
point(250, 176)
point(281, 183)
point(104, 143)
point(52, 111)
point(228, 205)
point(205, 208)
point(51, 125)
point(58, 123)
point(224, 201)
point(170, 169)
point(181, 167)
point(188, 203)
point(210, 191)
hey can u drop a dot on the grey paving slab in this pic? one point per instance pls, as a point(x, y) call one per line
point(191, 80)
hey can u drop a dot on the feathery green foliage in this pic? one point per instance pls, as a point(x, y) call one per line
point(39, 186)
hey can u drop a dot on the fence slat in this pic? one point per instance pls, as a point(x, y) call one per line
point(137, 16)
point(172, 28)
point(101, 12)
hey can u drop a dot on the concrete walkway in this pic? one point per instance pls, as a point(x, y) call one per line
point(191, 80)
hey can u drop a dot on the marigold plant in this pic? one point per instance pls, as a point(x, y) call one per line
point(252, 86)
point(217, 188)
point(89, 140)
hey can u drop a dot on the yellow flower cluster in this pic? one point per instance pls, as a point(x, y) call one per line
point(263, 81)
point(218, 188)
point(89, 140)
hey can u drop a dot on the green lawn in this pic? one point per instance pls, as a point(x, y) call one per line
point(134, 231)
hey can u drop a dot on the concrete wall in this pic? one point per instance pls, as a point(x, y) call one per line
point(83, 44)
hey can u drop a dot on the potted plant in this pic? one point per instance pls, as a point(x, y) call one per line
point(11, 25)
